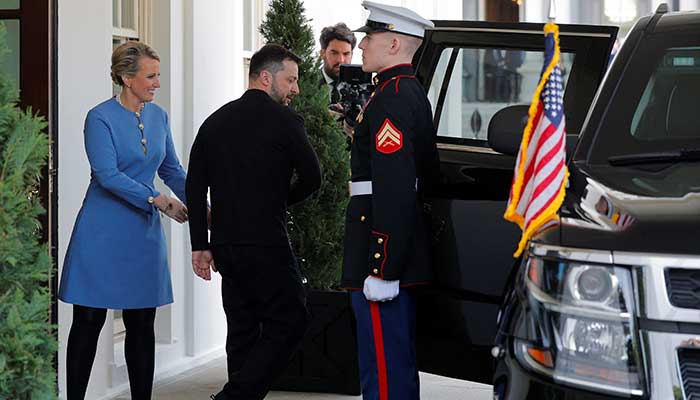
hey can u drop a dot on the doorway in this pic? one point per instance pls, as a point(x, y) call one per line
point(31, 39)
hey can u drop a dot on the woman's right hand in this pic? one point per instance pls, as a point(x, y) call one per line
point(173, 208)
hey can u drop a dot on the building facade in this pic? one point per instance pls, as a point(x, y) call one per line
point(205, 48)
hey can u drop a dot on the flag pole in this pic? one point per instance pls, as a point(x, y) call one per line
point(552, 11)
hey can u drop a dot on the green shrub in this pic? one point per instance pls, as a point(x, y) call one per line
point(315, 226)
point(27, 339)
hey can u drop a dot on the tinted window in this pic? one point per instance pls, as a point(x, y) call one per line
point(483, 81)
point(655, 108)
point(668, 101)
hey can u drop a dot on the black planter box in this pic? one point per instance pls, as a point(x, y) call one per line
point(327, 359)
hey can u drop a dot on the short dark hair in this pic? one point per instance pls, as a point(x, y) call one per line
point(270, 58)
point(339, 31)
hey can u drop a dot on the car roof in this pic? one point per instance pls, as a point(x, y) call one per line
point(678, 21)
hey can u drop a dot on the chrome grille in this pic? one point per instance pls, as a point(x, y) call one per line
point(689, 363)
point(683, 287)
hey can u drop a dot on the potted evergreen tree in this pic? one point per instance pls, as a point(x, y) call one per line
point(327, 361)
point(27, 339)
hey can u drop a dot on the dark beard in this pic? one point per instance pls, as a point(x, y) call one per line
point(330, 73)
point(276, 96)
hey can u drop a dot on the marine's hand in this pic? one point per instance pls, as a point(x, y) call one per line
point(203, 264)
point(376, 289)
point(348, 129)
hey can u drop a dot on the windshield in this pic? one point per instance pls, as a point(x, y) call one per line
point(656, 108)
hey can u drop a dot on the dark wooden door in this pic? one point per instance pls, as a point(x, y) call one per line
point(502, 11)
point(31, 36)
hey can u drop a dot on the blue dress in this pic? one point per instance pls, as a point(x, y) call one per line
point(117, 256)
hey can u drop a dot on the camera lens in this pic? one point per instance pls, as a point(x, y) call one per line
point(594, 284)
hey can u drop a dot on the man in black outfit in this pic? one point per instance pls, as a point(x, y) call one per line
point(246, 153)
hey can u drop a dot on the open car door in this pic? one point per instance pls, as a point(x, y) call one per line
point(471, 70)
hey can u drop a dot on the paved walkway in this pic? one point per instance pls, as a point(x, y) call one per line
point(200, 382)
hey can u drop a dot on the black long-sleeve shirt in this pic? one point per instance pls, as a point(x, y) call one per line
point(246, 154)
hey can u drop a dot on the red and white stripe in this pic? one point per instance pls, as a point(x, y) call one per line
point(544, 169)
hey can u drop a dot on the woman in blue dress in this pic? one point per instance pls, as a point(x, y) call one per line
point(117, 256)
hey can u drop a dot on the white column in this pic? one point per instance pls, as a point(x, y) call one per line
point(83, 82)
point(213, 76)
point(535, 10)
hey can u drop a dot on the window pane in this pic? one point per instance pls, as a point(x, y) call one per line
point(115, 13)
point(116, 42)
point(128, 20)
point(10, 64)
point(482, 82)
point(246, 71)
point(666, 108)
point(9, 4)
point(248, 25)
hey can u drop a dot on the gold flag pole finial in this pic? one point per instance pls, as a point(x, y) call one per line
point(552, 11)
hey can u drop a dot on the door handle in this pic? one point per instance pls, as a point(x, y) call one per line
point(466, 177)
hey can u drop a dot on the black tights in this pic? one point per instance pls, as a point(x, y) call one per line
point(139, 349)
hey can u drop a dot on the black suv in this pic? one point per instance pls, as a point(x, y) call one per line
point(607, 304)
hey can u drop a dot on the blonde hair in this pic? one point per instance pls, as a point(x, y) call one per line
point(410, 44)
point(125, 59)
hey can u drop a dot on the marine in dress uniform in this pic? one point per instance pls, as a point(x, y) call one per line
point(393, 161)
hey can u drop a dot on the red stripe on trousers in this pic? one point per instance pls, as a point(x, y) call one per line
point(379, 349)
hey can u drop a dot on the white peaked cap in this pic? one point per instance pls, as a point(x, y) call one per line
point(385, 18)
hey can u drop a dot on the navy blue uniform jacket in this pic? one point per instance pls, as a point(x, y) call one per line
point(386, 233)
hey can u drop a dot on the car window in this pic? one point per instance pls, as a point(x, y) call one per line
point(669, 98)
point(654, 108)
point(482, 81)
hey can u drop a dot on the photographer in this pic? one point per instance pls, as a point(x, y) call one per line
point(337, 44)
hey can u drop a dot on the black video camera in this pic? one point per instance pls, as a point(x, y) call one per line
point(355, 88)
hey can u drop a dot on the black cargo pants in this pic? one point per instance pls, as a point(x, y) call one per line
point(265, 305)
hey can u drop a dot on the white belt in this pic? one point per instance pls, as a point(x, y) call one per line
point(360, 188)
point(364, 188)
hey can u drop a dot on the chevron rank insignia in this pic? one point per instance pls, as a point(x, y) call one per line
point(389, 139)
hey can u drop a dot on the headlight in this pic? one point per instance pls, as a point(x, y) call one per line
point(583, 319)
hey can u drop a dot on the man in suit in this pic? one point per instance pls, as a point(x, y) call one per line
point(337, 43)
point(245, 154)
point(394, 162)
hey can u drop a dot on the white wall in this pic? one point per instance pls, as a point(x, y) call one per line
point(214, 76)
point(83, 81)
point(202, 68)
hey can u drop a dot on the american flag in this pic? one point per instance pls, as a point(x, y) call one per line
point(540, 169)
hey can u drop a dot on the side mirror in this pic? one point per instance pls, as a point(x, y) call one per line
point(506, 131)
